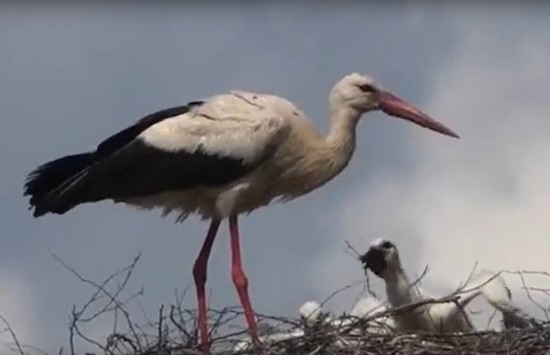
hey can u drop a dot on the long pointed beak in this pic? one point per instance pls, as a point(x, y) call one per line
point(394, 106)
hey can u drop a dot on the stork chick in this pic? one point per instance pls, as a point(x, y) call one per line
point(312, 314)
point(383, 260)
point(368, 306)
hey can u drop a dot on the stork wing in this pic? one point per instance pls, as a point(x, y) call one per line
point(211, 144)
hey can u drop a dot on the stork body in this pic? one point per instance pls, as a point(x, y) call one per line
point(368, 306)
point(218, 158)
point(383, 260)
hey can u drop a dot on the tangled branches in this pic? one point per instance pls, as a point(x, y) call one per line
point(174, 330)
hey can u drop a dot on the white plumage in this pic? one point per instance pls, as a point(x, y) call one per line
point(268, 335)
point(368, 306)
point(240, 125)
point(311, 313)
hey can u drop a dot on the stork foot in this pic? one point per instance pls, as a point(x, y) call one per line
point(204, 347)
point(204, 342)
point(256, 342)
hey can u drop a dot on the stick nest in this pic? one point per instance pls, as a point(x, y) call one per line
point(534, 340)
point(173, 331)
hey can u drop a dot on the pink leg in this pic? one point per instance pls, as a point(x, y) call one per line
point(199, 274)
point(239, 277)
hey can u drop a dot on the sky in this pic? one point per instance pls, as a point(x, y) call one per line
point(72, 75)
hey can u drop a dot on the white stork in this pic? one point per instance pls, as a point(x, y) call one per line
point(220, 157)
point(383, 260)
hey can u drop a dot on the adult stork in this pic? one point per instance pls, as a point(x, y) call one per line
point(220, 157)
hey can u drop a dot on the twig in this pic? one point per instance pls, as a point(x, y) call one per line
point(12, 334)
point(101, 291)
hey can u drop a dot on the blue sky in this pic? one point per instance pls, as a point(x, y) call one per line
point(72, 75)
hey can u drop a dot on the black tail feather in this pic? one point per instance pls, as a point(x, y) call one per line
point(61, 184)
point(47, 177)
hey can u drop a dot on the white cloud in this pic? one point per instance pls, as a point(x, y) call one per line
point(485, 197)
point(16, 306)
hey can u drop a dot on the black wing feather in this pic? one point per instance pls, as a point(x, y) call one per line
point(48, 182)
point(139, 170)
point(120, 139)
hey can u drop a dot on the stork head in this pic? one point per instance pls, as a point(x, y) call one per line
point(361, 93)
point(382, 258)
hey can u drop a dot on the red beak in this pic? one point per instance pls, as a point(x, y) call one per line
point(394, 106)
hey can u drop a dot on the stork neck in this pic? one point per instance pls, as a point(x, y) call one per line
point(343, 123)
point(341, 138)
point(398, 288)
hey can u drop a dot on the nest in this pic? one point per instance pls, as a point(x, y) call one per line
point(355, 339)
point(535, 340)
point(176, 334)
point(174, 331)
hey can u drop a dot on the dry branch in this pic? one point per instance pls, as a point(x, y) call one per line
point(173, 330)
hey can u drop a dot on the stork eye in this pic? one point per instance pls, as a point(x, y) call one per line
point(387, 245)
point(368, 88)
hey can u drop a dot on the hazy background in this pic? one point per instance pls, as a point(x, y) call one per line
point(72, 75)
